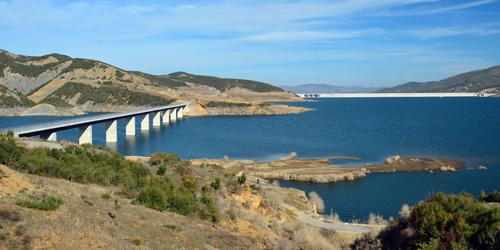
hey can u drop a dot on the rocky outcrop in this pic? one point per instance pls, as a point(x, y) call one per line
point(410, 164)
point(322, 171)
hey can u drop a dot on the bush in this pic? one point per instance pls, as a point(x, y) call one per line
point(219, 104)
point(491, 197)
point(183, 202)
point(161, 170)
point(242, 179)
point(153, 197)
point(44, 202)
point(446, 222)
point(215, 183)
point(209, 209)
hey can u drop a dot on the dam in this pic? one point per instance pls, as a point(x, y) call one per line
point(393, 95)
point(48, 130)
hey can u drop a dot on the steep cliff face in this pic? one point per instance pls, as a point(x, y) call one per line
point(90, 85)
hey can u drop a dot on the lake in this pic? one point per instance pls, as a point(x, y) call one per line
point(466, 129)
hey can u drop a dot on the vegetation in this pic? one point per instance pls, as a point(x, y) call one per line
point(40, 202)
point(88, 164)
point(80, 63)
point(161, 80)
point(242, 179)
point(444, 221)
point(113, 95)
point(490, 197)
point(219, 104)
point(9, 99)
point(215, 183)
point(223, 84)
point(16, 65)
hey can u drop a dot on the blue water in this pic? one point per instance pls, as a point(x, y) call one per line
point(466, 129)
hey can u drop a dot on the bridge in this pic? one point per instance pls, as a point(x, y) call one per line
point(48, 130)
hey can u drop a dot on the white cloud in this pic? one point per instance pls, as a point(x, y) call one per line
point(454, 31)
point(278, 36)
point(459, 7)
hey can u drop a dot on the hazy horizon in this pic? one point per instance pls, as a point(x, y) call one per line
point(344, 43)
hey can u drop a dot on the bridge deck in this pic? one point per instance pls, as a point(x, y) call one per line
point(35, 129)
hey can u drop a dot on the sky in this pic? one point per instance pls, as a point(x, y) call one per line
point(285, 42)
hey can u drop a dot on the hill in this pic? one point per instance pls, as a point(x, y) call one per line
point(90, 85)
point(473, 81)
point(326, 88)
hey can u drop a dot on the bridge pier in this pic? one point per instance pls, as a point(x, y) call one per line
point(180, 113)
point(145, 123)
point(49, 136)
point(85, 134)
point(166, 116)
point(156, 119)
point(173, 115)
point(111, 132)
point(130, 126)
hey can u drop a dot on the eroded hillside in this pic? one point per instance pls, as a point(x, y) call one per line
point(89, 85)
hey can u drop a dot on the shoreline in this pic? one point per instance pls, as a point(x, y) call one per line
point(322, 171)
point(394, 95)
point(193, 110)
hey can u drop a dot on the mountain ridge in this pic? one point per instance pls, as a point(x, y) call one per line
point(92, 85)
point(471, 81)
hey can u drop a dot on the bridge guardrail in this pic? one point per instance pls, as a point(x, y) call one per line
point(87, 119)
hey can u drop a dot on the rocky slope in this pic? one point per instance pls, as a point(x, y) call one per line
point(473, 81)
point(88, 85)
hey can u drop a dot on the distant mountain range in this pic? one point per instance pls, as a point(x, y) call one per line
point(326, 88)
point(473, 81)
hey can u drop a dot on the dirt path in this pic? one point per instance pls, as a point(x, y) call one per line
point(316, 221)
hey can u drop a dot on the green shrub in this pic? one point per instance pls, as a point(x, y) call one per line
point(172, 227)
point(490, 197)
point(153, 197)
point(44, 202)
point(183, 201)
point(219, 104)
point(158, 159)
point(137, 241)
point(106, 196)
point(161, 170)
point(446, 222)
point(242, 179)
point(215, 183)
point(208, 209)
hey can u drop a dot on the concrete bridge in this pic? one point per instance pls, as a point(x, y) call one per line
point(48, 130)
